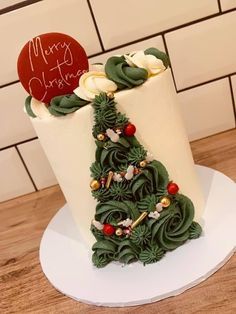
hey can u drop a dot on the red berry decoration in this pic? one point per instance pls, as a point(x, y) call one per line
point(108, 230)
point(172, 188)
point(129, 129)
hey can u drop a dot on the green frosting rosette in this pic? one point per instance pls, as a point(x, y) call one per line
point(136, 154)
point(120, 191)
point(125, 76)
point(195, 230)
point(113, 153)
point(102, 195)
point(151, 254)
point(104, 253)
point(114, 211)
point(151, 180)
point(62, 105)
point(141, 235)
point(159, 55)
point(128, 252)
point(148, 203)
point(172, 228)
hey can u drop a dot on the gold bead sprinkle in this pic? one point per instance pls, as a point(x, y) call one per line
point(101, 137)
point(95, 185)
point(110, 95)
point(165, 201)
point(119, 232)
point(143, 163)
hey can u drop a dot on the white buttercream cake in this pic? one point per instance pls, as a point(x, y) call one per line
point(148, 99)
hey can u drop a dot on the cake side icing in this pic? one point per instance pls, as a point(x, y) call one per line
point(140, 213)
point(70, 148)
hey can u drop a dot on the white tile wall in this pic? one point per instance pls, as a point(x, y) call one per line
point(71, 17)
point(15, 125)
point(207, 109)
point(227, 4)
point(14, 180)
point(136, 19)
point(203, 51)
point(153, 42)
point(198, 37)
point(37, 164)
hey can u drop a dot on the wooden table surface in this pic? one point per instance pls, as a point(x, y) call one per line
point(24, 288)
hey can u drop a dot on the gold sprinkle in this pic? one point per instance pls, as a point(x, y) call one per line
point(139, 220)
point(109, 179)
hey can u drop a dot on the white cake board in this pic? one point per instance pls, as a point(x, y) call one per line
point(66, 261)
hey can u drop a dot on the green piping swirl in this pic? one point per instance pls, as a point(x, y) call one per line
point(172, 228)
point(62, 105)
point(125, 76)
point(28, 107)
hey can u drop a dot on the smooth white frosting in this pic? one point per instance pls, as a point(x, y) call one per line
point(153, 108)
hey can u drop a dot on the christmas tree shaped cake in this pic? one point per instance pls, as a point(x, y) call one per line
point(140, 213)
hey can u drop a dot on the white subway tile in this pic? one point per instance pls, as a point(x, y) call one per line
point(233, 80)
point(227, 4)
point(71, 17)
point(203, 51)
point(207, 109)
point(121, 22)
point(15, 124)
point(14, 180)
point(37, 164)
point(156, 42)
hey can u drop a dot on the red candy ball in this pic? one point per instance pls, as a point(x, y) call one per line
point(108, 230)
point(129, 129)
point(172, 188)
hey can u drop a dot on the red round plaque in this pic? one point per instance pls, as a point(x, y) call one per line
point(50, 65)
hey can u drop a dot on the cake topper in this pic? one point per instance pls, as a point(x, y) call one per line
point(50, 65)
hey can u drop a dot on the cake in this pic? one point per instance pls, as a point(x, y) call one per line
point(119, 150)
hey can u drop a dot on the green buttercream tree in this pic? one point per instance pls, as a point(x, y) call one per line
point(140, 214)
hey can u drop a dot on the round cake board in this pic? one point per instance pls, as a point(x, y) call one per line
point(66, 259)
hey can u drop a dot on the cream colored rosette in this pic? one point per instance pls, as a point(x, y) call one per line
point(93, 83)
point(148, 62)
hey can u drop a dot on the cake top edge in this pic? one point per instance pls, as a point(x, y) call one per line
point(53, 68)
point(118, 73)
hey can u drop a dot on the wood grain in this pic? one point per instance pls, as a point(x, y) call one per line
point(24, 288)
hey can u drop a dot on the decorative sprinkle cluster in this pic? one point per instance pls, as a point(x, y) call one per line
point(125, 227)
point(140, 214)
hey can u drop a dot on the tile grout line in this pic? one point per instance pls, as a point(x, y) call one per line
point(206, 18)
point(95, 25)
point(206, 82)
point(219, 5)
point(172, 71)
point(19, 143)
point(9, 84)
point(26, 169)
point(177, 90)
point(232, 98)
point(17, 6)
point(162, 33)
